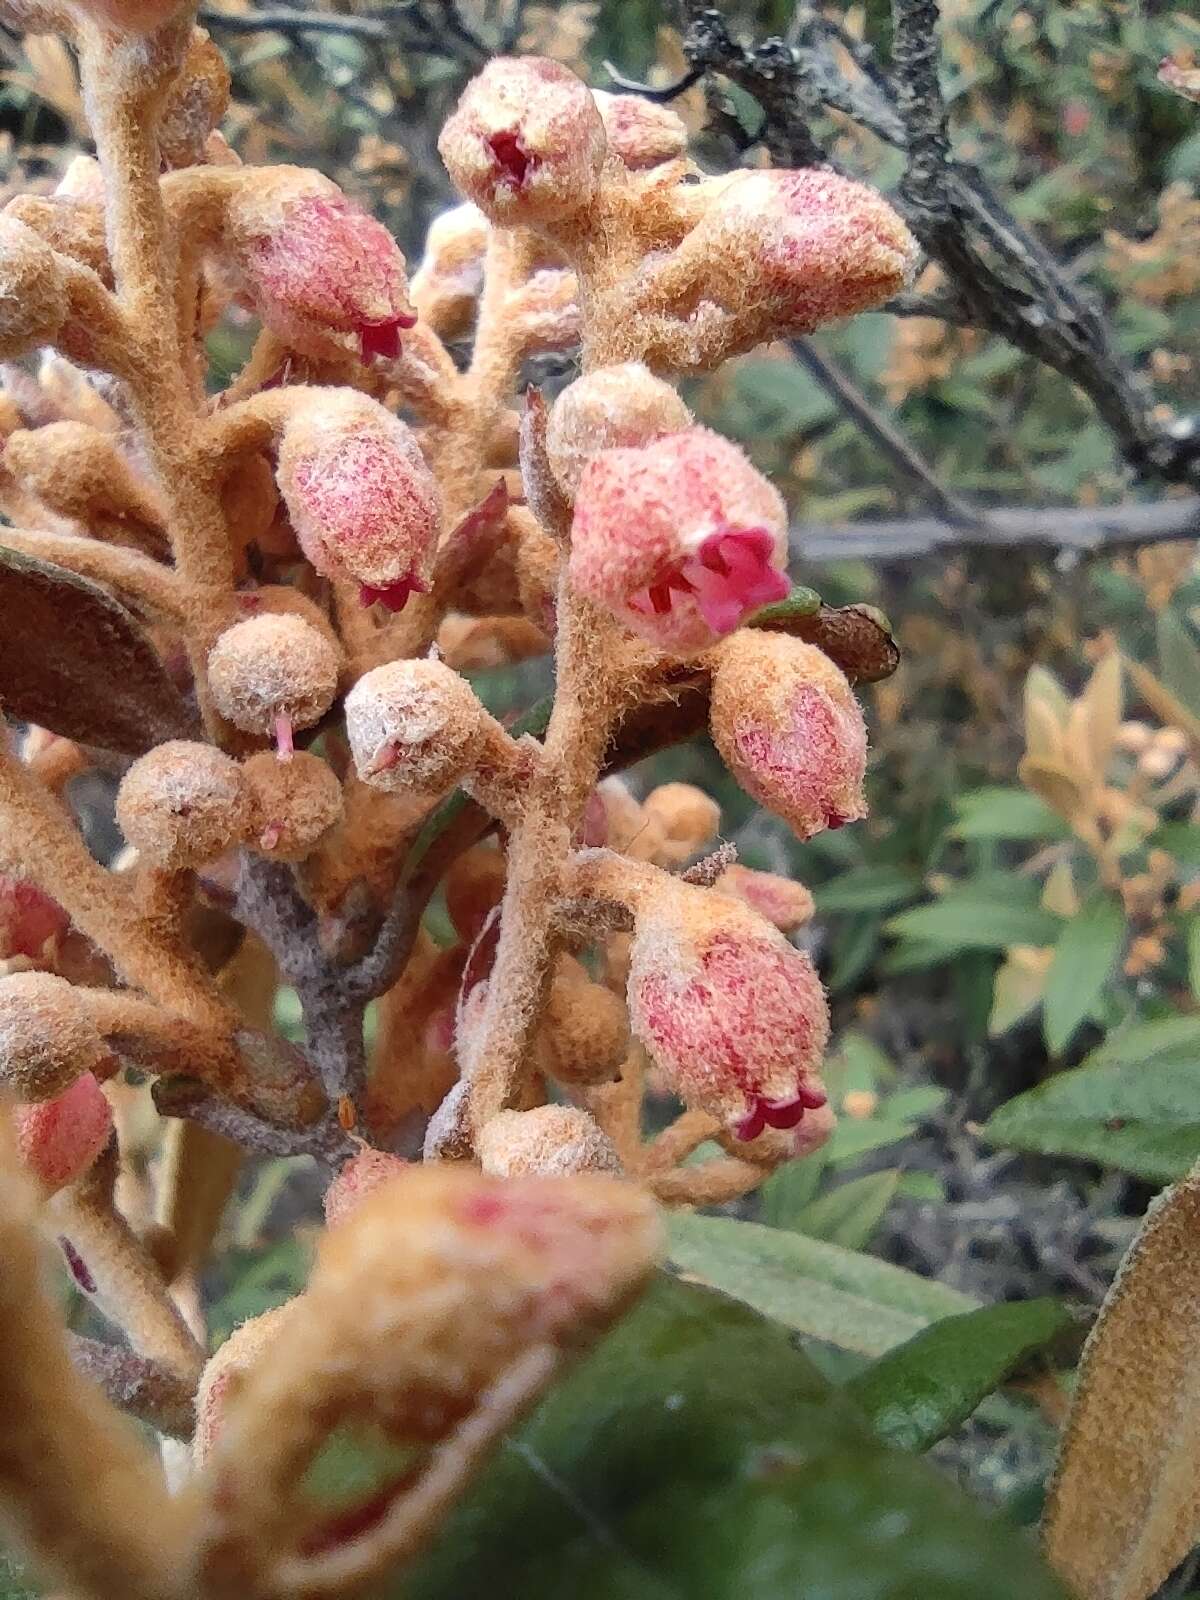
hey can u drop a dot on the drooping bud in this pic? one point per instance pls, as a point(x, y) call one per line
point(293, 804)
point(272, 674)
point(614, 407)
point(787, 904)
point(548, 1142)
point(640, 133)
point(732, 1013)
point(358, 1178)
point(773, 1146)
point(414, 725)
point(526, 142)
point(59, 1139)
point(786, 251)
point(32, 292)
point(681, 539)
point(47, 1037)
point(182, 804)
point(319, 270)
point(361, 497)
point(31, 923)
point(789, 728)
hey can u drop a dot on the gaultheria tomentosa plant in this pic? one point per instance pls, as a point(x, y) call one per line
point(256, 607)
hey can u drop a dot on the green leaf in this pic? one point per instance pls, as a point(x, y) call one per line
point(1181, 840)
point(789, 1189)
point(801, 602)
point(1133, 1104)
point(998, 813)
point(819, 1289)
point(923, 1390)
point(1192, 935)
point(697, 1455)
point(975, 917)
point(854, 1136)
point(849, 1214)
point(1178, 658)
point(868, 889)
point(1084, 956)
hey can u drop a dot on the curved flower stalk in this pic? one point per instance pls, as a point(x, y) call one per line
point(263, 605)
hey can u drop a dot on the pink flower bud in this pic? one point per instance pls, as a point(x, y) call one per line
point(59, 1139)
point(640, 133)
point(732, 1013)
point(789, 905)
point(317, 268)
point(789, 250)
point(681, 539)
point(359, 1178)
point(361, 498)
point(29, 920)
point(526, 142)
point(790, 730)
point(609, 409)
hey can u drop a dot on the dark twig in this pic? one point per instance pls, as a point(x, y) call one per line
point(140, 1387)
point(883, 433)
point(1080, 531)
point(289, 19)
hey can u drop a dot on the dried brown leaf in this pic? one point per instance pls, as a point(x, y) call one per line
point(856, 637)
point(73, 660)
point(1124, 1505)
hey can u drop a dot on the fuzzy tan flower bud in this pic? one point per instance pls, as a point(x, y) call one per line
point(182, 804)
point(361, 496)
point(733, 1014)
point(58, 1139)
point(681, 539)
point(787, 904)
point(549, 1141)
point(222, 1375)
point(319, 271)
point(790, 730)
point(584, 1036)
point(450, 278)
point(32, 291)
point(414, 725)
point(611, 408)
point(199, 98)
point(272, 674)
point(526, 142)
point(359, 1178)
point(47, 1037)
point(293, 804)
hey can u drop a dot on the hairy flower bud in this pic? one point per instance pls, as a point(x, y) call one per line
point(361, 497)
point(58, 1139)
point(790, 730)
point(787, 904)
point(222, 1375)
point(613, 407)
point(526, 142)
point(272, 674)
point(319, 271)
point(414, 725)
point(47, 1037)
point(32, 291)
point(549, 1141)
point(789, 250)
point(358, 1179)
point(584, 1036)
point(680, 820)
point(640, 133)
point(732, 1013)
point(681, 539)
point(293, 804)
point(31, 923)
point(449, 280)
point(182, 804)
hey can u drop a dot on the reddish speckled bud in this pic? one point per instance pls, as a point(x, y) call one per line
point(59, 1139)
point(361, 498)
point(612, 408)
point(682, 539)
point(526, 142)
point(319, 271)
point(790, 730)
point(640, 133)
point(31, 923)
point(733, 1014)
point(790, 250)
point(357, 1179)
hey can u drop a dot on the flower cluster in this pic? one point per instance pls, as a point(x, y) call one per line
point(257, 611)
